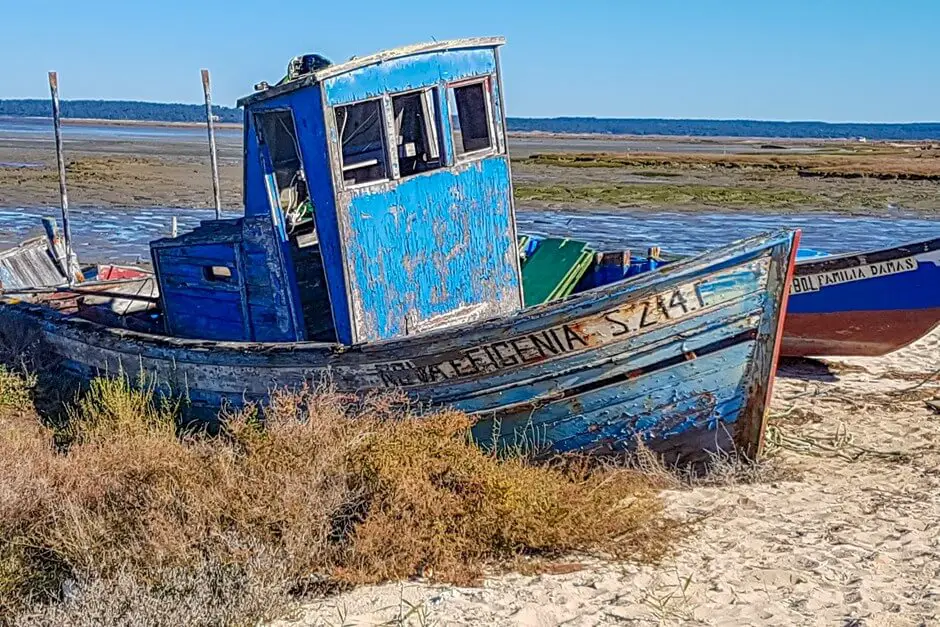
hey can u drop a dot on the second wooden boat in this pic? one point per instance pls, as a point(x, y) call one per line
point(867, 304)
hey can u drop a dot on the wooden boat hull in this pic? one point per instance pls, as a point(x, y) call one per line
point(859, 333)
point(681, 358)
point(864, 304)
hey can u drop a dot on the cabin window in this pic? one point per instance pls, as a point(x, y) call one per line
point(362, 134)
point(277, 131)
point(470, 113)
point(416, 132)
point(280, 135)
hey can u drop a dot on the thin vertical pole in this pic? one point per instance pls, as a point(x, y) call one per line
point(63, 192)
point(173, 226)
point(207, 91)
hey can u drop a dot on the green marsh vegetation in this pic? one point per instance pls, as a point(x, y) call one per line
point(641, 194)
point(879, 161)
point(845, 178)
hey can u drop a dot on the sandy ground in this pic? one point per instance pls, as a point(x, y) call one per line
point(841, 528)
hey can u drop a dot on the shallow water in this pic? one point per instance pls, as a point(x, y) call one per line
point(102, 234)
point(19, 164)
point(124, 235)
point(32, 129)
point(687, 233)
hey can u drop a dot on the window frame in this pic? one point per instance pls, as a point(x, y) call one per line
point(262, 140)
point(430, 93)
point(486, 80)
point(391, 160)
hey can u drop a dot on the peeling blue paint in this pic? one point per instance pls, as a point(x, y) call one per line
point(415, 72)
point(432, 244)
point(424, 284)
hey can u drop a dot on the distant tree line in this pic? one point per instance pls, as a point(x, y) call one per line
point(164, 112)
point(728, 128)
point(119, 110)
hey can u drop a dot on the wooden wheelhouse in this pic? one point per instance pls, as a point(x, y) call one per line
point(378, 204)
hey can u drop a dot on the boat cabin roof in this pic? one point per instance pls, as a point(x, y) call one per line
point(356, 63)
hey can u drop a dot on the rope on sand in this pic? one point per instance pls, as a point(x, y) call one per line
point(840, 444)
point(928, 379)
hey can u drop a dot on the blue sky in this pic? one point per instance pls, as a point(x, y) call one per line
point(832, 60)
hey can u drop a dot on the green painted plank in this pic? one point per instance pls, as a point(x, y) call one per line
point(554, 269)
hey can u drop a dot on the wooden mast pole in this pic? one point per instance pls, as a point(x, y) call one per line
point(210, 124)
point(63, 192)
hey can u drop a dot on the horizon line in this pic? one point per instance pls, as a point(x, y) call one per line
point(518, 117)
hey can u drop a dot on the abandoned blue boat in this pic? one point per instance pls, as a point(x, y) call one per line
point(378, 249)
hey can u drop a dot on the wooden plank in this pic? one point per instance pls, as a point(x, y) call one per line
point(202, 254)
point(554, 269)
point(29, 265)
point(202, 326)
point(63, 192)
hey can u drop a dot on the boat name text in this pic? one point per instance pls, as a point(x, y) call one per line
point(816, 282)
point(596, 330)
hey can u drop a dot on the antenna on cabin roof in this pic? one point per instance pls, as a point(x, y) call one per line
point(210, 124)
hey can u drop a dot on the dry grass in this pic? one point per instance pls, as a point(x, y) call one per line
point(914, 162)
point(722, 469)
point(15, 389)
point(127, 523)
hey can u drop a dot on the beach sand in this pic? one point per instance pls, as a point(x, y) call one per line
point(841, 528)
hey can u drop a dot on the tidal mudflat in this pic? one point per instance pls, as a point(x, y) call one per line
point(119, 167)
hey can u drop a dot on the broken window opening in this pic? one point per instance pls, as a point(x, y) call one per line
point(470, 112)
point(217, 273)
point(278, 132)
point(362, 135)
point(416, 132)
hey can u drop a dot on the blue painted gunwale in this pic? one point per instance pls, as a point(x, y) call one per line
point(907, 290)
point(693, 382)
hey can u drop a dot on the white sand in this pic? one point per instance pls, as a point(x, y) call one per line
point(851, 537)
